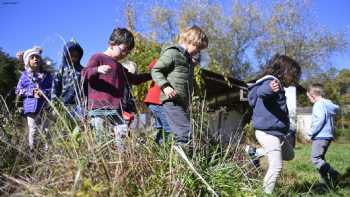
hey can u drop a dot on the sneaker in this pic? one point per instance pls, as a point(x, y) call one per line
point(333, 177)
point(251, 151)
point(329, 175)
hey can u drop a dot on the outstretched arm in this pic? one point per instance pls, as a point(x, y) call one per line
point(137, 78)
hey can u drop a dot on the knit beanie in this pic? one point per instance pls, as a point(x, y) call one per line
point(30, 52)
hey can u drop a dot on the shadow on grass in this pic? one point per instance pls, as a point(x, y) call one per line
point(344, 180)
point(316, 188)
point(310, 188)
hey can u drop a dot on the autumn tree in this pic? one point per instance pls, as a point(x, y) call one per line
point(290, 29)
point(252, 32)
point(144, 52)
point(342, 83)
point(230, 36)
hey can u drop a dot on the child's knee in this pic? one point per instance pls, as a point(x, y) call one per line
point(275, 164)
point(276, 167)
point(317, 160)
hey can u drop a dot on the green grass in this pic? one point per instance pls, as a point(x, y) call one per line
point(300, 178)
point(342, 135)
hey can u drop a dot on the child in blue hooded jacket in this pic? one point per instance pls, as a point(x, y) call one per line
point(321, 134)
point(67, 85)
point(270, 114)
point(34, 87)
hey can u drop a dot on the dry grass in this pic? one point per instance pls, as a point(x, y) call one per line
point(75, 165)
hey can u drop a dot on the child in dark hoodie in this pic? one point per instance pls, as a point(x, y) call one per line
point(322, 128)
point(270, 114)
point(67, 86)
point(34, 88)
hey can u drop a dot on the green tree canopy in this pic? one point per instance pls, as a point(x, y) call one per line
point(9, 74)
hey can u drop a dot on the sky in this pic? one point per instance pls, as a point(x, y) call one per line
point(49, 23)
point(335, 16)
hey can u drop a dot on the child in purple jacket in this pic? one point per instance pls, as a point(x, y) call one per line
point(34, 86)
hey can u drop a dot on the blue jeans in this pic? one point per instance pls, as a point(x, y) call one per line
point(161, 123)
point(107, 124)
point(76, 112)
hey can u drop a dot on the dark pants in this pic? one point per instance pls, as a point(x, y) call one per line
point(179, 121)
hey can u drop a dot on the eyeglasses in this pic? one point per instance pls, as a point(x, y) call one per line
point(123, 51)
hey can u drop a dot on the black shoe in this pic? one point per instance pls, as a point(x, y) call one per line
point(324, 180)
point(333, 177)
point(329, 175)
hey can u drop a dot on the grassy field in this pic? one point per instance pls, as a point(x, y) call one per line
point(299, 178)
point(75, 165)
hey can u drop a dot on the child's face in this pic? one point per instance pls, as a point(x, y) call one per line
point(311, 97)
point(75, 56)
point(120, 51)
point(192, 49)
point(34, 61)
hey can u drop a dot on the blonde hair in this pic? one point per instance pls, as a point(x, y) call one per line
point(195, 36)
point(316, 89)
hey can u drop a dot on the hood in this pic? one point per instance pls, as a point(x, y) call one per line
point(331, 108)
point(177, 47)
point(264, 78)
point(252, 95)
point(69, 46)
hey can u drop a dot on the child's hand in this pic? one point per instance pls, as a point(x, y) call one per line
point(169, 92)
point(275, 86)
point(19, 55)
point(104, 69)
point(37, 93)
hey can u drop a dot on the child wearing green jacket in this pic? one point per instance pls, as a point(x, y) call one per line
point(174, 73)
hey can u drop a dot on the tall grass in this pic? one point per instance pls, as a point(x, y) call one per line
point(75, 165)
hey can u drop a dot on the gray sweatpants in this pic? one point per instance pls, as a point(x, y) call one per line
point(318, 151)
